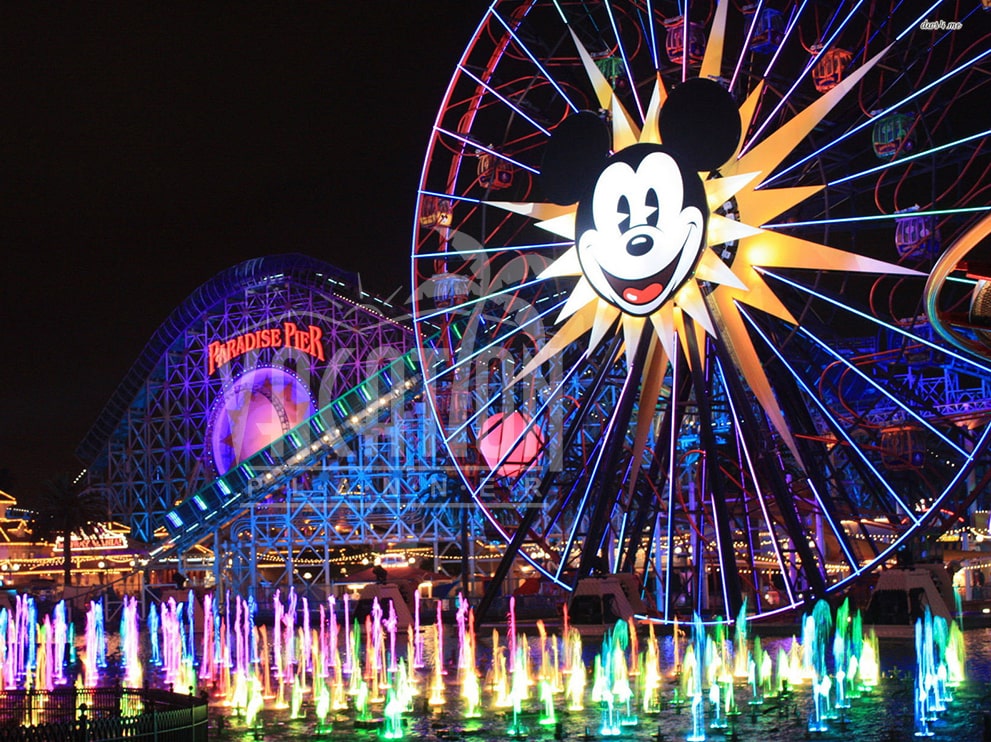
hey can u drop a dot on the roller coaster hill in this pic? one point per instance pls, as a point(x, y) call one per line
point(272, 434)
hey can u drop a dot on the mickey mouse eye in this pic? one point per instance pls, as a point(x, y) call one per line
point(652, 202)
point(623, 212)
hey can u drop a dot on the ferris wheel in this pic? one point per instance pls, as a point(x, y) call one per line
point(669, 264)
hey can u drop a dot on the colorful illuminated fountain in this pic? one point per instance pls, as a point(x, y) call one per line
point(317, 669)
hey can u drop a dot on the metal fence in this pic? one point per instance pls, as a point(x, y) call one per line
point(101, 715)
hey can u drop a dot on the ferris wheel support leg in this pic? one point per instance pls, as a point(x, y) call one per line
point(808, 565)
point(714, 488)
point(646, 504)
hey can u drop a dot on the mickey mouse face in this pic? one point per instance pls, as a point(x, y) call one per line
point(638, 241)
point(640, 225)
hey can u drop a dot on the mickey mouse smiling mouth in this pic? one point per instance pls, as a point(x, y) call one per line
point(638, 236)
point(641, 291)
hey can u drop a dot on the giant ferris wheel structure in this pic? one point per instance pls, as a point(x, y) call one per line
point(783, 415)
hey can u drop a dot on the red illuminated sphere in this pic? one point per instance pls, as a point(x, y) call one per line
point(500, 436)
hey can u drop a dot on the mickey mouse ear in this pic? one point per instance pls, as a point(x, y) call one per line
point(573, 157)
point(701, 123)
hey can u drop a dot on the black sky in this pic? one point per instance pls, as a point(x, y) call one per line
point(146, 147)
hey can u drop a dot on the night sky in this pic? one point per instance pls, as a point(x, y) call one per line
point(146, 147)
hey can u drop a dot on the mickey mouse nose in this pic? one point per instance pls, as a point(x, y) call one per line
point(639, 245)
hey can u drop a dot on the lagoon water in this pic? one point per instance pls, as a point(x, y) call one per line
point(886, 714)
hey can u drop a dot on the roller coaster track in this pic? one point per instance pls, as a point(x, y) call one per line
point(328, 432)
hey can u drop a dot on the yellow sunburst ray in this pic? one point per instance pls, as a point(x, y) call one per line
point(625, 131)
point(722, 230)
point(600, 84)
point(748, 363)
point(581, 294)
point(747, 111)
point(720, 190)
point(632, 332)
point(553, 218)
point(562, 226)
point(712, 269)
point(663, 322)
point(758, 294)
point(761, 206)
point(651, 133)
point(653, 380)
point(690, 299)
point(777, 250)
point(685, 328)
point(566, 264)
point(767, 155)
point(605, 317)
point(534, 210)
point(712, 60)
point(575, 326)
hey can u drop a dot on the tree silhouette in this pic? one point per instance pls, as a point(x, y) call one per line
point(65, 509)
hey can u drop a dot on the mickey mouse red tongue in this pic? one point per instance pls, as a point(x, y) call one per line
point(643, 290)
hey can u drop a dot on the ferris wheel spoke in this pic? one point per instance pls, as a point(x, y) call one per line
point(626, 61)
point(465, 360)
point(538, 414)
point(824, 47)
point(504, 100)
point(712, 483)
point(973, 62)
point(905, 159)
point(489, 150)
point(836, 526)
point(761, 498)
point(478, 300)
point(653, 35)
point(917, 21)
point(787, 518)
point(581, 516)
point(835, 424)
point(533, 58)
point(977, 365)
point(746, 44)
point(789, 29)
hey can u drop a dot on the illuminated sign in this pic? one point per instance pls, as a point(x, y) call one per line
point(102, 540)
point(290, 335)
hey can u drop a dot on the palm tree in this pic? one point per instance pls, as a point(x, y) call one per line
point(65, 509)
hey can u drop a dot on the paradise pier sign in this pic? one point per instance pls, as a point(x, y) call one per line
point(289, 335)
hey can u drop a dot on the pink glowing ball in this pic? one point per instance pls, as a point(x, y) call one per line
point(496, 440)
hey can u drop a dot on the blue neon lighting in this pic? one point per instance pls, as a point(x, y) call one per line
point(516, 109)
point(827, 413)
point(966, 65)
point(892, 397)
point(880, 217)
point(804, 72)
point(893, 328)
point(533, 59)
point(626, 65)
point(493, 152)
point(909, 158)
